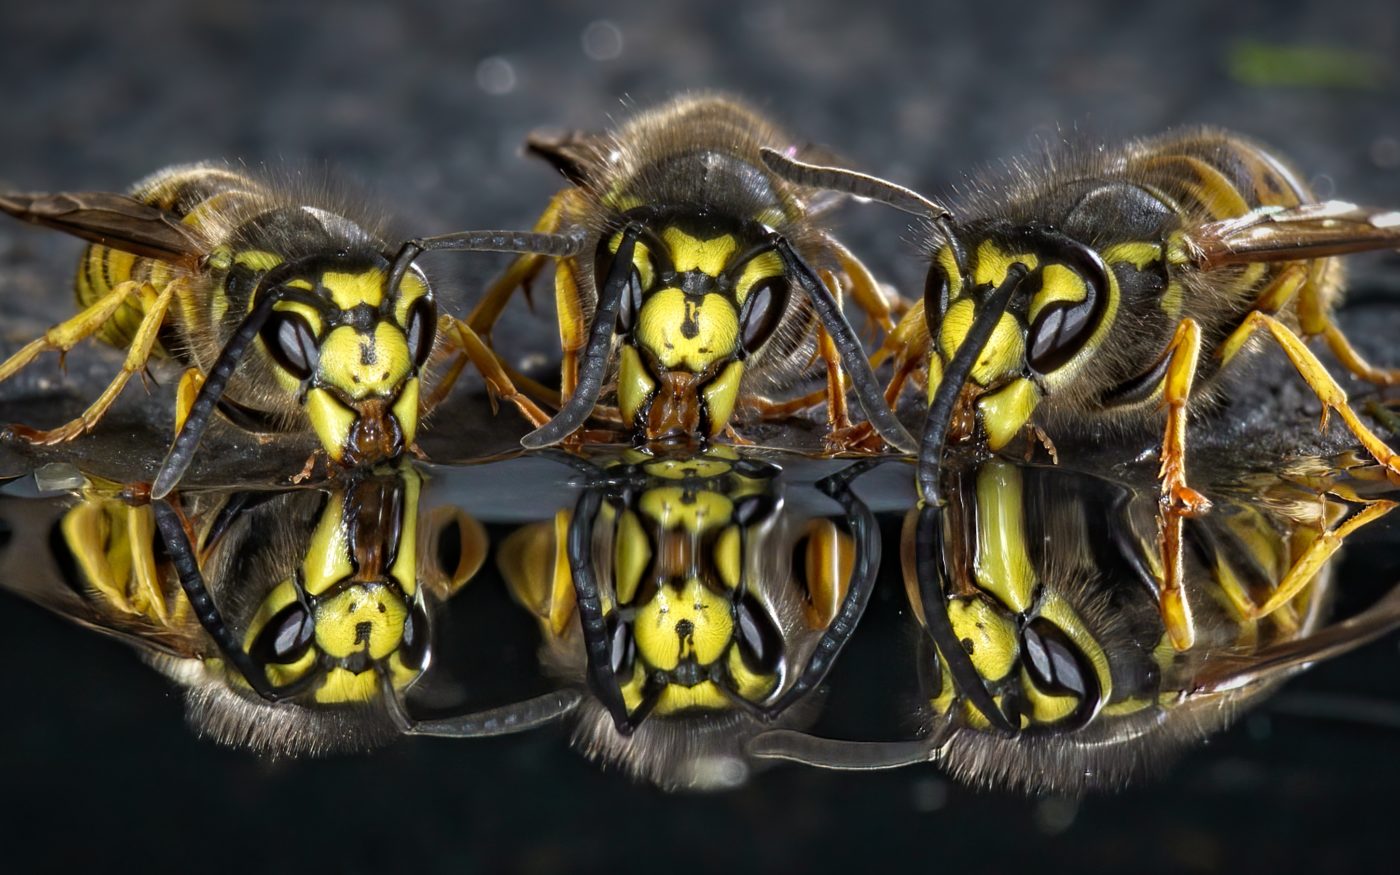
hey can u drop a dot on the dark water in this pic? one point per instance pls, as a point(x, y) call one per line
point(426, 107)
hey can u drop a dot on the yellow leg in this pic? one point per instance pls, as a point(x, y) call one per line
point(1310, 563)
point(1327, 390)
point(837, 415)
point(1185, 352)
point(185, 394)
point(1175, 607)
point(498, 383)
point(573, 327)
point(136, 356)
point(522, 270)
point(1314, 319)
point(64, 336)
point(865, 290)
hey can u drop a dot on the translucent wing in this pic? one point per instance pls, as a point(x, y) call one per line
point(1290, 234)
point(114, 220)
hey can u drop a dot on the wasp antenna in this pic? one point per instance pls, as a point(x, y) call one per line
point(867, 568)
point(830, 753)
point(579, 546)
point(522, 242)
point(851, 182)
point(181, 454)
point(929, 556)
point(955, 376)
point(872, 398)
point(579, 407)
point(505, 720)
point(172, 532)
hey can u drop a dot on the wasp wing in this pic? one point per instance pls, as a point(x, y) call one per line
point(1292, 234)
point(576, 154)
point(114, 220)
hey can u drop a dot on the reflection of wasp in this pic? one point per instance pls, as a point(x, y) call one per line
point(1103, 286)
point(678, 255)
point(717, 611)
point(215, 269)
point(324, 615)
point(1051, 669)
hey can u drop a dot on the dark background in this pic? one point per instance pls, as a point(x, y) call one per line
point(425, 106)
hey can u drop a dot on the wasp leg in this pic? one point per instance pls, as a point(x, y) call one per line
point(1175, 607)
point(137, 354)
point(498, 383)
point(1332, 396)
point(864, 288)
point(1310, 563)
point(767, 408)
point(521, 272)
point(1185, 352)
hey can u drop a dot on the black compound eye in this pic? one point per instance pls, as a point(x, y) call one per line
point(1061, 329)
point(762, 312)
point(422, 330)
point(760, 639)
point(286, 636)
point(623, 650)
point(414, 648)
point(292, 343)
point(1057, 666)
point(936, 291)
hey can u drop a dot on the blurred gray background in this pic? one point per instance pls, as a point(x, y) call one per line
point(425, 106)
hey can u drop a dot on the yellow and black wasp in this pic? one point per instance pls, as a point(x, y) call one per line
point(271, 297)
point(1046, 664)
point(699, 272)
point(296, 622)
point(693, 606)
point(1105, 286)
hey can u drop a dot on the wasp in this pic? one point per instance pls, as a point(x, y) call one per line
point(692, 606)
point(687, 276)
point(1102, 287)
point(1045, 661)
point(272, 298)
point(295, 622)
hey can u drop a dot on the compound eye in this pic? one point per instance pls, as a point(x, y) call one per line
point(285, 638)
point(413, 651)
point(936, 291)
point(1057, 666)
point(1063, 327)
point(422, 330)
point(762, 311)
point(623, 649)
point(292, 343)
point(760, 639)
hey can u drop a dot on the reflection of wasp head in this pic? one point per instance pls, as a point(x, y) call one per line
point(276, 305)
point(718, 615)
point(1046, 663)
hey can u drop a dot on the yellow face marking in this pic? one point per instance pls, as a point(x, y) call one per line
point(720, 396)
point(1004, 353)
point(761, 267)
point(692, 253)
point(340, 685)
point(411, 289)
point(992, 637)
point(349, 290)
point(365, 366)
point(331, 420)
point(1007, 410)
point(328, 554)
point(1003, 563)
point(405, 568)
point(748, 684)
point(712, 464)
point(947, 262)
point(1045, 707)
point(1058, 284)
point(405, 410)
point(992, 262)
point(676, 508)
point(705, 696)
point(281, 595)
point(634, 384)
point(729, 558)
point(659, 639)
point(281, 675)
point(631, 556)
point(688, 332)
point(257, 259)
point(366, 618)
